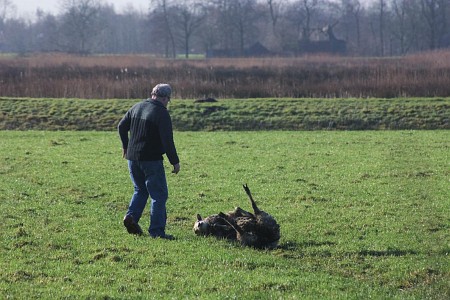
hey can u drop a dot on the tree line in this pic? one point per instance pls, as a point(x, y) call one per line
point(173, 28)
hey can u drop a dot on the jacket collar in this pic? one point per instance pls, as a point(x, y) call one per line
point(155, 102)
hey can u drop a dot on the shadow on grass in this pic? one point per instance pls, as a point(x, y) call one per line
point(388, 252)
point(292, 249)
point(293, 246)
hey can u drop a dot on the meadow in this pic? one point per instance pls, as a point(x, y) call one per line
point(363, 214)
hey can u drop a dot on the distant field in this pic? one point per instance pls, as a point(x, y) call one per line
point(234, 114)
point(313, 76)
point(363, 214)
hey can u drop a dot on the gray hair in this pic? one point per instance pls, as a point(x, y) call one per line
point(162, 90)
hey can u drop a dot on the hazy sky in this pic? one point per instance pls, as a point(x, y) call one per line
point(28, 7)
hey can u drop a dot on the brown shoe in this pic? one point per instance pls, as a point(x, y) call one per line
point(132, 227)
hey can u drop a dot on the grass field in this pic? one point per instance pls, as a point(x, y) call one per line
point(363, 215)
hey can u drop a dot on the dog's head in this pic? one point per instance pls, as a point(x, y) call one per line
point(201, 227)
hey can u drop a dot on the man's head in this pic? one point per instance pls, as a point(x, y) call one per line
point(161, 92)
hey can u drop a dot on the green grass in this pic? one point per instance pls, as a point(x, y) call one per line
point(362, 215)
point(234, 114)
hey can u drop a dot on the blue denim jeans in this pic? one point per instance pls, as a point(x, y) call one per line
point(149, 179)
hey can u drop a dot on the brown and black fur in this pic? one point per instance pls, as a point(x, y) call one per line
point(214, 225)
point(259, 230)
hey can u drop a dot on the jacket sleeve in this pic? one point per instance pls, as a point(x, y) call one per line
point(166, 134)
point(123, 128)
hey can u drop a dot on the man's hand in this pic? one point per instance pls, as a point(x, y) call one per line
point(176, 168)
point(124, 153)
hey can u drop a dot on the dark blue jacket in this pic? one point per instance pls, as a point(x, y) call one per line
point(151, 134)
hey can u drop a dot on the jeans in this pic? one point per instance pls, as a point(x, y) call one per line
point(149, 179)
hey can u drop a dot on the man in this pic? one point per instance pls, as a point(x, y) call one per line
point(151, 136)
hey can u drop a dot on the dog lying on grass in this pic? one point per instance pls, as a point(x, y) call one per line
point(258, 229)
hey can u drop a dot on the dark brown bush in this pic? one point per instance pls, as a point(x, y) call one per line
point(124, 77)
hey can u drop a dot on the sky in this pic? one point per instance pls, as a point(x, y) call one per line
point(27, 8)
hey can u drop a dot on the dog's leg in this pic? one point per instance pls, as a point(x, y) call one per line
point(255, 208)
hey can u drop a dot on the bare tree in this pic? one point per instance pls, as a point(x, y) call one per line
point(307, 11)
point(381, 24)
point(234, 23)
point(161, 15)
point(274, 12)
point(7, 8)
point(190, 16)
point(80, 24)
point(275, 35)
point(351, 18)
point(208, 34)
point(403, 29)
point(385, 27)
point(434, 14)
point(244, 16)
point(376, 18)
point(47, 32)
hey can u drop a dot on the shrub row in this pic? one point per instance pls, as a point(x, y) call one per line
point(426, 75)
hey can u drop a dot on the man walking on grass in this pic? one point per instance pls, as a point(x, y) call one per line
point(151, 136)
